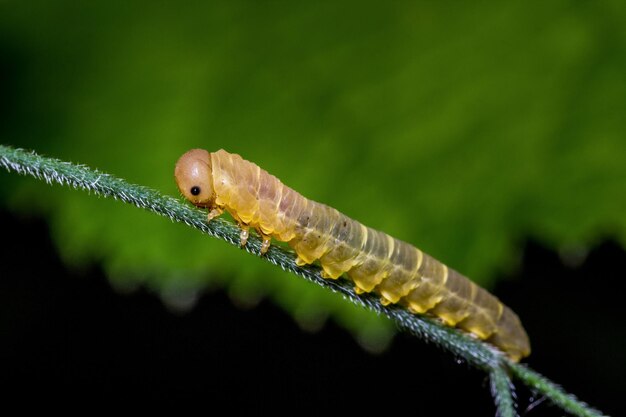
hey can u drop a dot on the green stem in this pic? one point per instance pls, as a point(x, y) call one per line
point(475, 352)
point(552, 391)
point(502, 392)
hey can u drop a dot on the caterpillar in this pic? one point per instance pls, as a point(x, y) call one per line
point(374, 261)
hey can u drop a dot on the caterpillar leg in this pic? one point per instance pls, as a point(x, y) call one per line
point(327, 275)
point(266, 243)
point(385, 301)
point(243, 236)
point(216, 212)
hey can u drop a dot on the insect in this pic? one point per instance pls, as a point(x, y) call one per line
point(374, 261)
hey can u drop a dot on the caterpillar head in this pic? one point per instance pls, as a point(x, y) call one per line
point(193, 175)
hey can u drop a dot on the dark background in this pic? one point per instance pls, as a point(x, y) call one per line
point(68, 337)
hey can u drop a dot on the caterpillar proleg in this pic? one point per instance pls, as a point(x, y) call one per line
point(376, 262)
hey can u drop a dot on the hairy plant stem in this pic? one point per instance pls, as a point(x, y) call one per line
point(502, 392)
point(475, 352)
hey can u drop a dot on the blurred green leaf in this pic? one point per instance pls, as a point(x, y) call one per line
point(461, 128)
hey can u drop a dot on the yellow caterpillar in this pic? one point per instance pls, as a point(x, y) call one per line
point(373, 260)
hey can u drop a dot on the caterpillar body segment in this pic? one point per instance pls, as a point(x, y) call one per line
point(374, 261)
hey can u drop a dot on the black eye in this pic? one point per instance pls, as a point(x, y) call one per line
point(195, 190)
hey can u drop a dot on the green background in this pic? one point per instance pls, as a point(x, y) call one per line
point(461, 127)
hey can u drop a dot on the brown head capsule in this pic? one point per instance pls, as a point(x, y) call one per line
point(193, 175)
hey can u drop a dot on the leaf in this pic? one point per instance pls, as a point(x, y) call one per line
point(461, 129)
